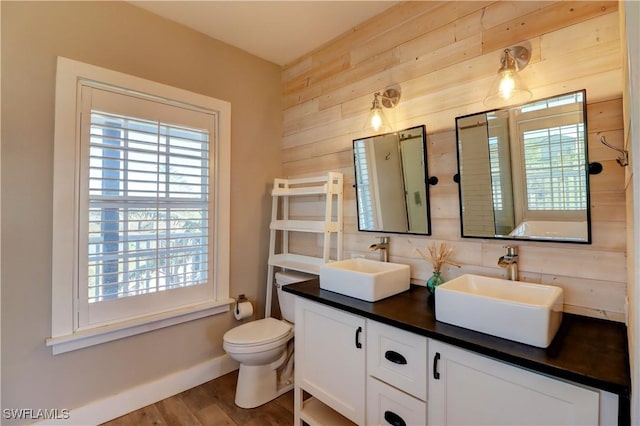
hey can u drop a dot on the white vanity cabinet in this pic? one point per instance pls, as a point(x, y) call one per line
point(364, 372)
point(466, 388)
point(330, 360)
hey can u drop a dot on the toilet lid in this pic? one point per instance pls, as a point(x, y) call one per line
point(258, 332)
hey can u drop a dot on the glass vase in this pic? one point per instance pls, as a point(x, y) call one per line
point(434, 281)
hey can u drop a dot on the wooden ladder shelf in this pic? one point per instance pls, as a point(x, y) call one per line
point(329, 187)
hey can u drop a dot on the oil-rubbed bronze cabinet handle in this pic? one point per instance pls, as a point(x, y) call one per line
point(358, 344)
point(436, 375)
point(394, 419)
point(395, 357)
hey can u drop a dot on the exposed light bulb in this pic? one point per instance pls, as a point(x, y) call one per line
point(507, 84)
point(376, 120)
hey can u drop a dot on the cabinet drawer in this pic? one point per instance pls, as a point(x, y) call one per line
point(398, 358)
point(389, 406)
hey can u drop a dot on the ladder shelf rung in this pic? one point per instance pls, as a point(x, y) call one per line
point(310, 190)
point(297, 262)
point(304, 225)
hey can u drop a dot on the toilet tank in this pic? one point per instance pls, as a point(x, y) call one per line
point(287, 300)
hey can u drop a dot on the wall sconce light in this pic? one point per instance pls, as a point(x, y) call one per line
point(376, 119)
point(508, 86)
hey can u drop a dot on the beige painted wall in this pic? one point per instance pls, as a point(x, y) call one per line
point(124, 38)
point(444, 56)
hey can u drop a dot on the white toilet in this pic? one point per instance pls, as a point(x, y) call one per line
point(264, 349)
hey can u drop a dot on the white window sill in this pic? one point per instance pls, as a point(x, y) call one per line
point(97, 335)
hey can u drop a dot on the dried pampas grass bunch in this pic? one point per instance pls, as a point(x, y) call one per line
point(438, 256)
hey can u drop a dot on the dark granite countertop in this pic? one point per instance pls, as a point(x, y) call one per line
point(586, 350)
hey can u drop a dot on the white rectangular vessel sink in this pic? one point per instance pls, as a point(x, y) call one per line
point(514, 310)
point(364, 279)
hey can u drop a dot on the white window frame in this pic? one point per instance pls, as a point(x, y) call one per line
point(65, 335)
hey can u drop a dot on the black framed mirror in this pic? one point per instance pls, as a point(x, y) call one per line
point(524, 173)
point(392, 193)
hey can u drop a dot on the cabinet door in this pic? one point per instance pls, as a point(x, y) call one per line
point(330, 357)
point(465, 388)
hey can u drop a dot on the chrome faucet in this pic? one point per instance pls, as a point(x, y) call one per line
point(510, 261)
point(383, 246)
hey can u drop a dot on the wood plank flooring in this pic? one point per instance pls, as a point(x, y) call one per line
point(210, 404)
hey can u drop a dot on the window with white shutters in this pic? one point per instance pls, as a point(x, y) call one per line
point(148, 207)
point(146, 178)
point(141, 206)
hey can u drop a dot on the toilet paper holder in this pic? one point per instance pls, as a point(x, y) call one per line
point(241, 298)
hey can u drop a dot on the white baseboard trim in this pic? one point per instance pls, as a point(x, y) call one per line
point(114, 406)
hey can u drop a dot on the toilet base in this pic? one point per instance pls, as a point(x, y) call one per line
point(257, 385)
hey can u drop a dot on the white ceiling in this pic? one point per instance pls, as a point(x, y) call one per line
point(278, 31)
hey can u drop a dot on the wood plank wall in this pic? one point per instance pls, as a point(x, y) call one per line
point(444, 56)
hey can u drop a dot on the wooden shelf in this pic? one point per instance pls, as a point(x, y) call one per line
point(329, 189)
point(314, 412)
point(304, 226)
point(325, 184)
point(297, 262)
point(312, 190)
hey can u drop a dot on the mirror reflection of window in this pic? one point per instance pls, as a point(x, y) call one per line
point(478, 214)
point(494, 161)
point(554, 159)
point(367, 216)
point(534, 158)
point(391, 190)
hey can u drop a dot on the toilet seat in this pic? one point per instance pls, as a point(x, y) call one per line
point(258, 333)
